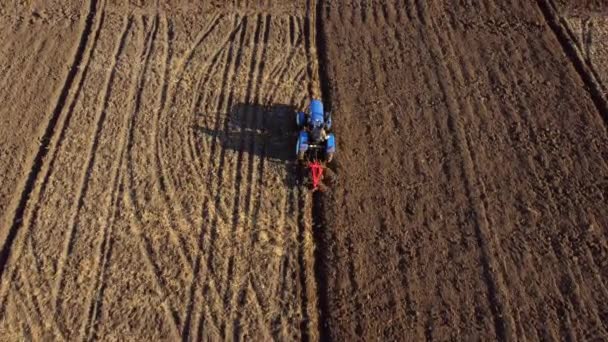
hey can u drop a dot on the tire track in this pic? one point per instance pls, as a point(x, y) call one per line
point(280, 280)
point(319, 223)
point(84, 180)
point(211, 219)
point(26, 324)
point(474, 192)
point(466, 75)
point(200, 99)
point(529, 121)
point(252, 94)
point(144, 244)
point(231, 72)
point(201, 96)
point(29, 183)
point(146, 249)
point(173, 180)
point(105, 245)
point(57, 146)
point(561, 251)
point(167, 184)
point(28, 308)
point(203, 35)
point(189, 309)
point(429, 82)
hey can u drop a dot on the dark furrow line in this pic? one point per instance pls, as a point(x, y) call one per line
point(320, 225)
point(409, 9)
point(89, 167)
point(593, 87)
point(302, 214)
point(66, 121)
point(375, 15)
point(585, 49)
point(308, 43)
point(49, 131)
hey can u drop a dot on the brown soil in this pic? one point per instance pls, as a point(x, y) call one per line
point(155, 197)
point(149, 191)
point(473, 177)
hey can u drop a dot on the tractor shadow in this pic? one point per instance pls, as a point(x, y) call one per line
point(268, 132)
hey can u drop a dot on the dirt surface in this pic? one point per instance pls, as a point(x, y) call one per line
point(30, 83)
point(149, 189)
point(154, 195)
point(473, 177)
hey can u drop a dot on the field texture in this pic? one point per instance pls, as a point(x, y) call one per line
point(472, 197)
point(149, 189)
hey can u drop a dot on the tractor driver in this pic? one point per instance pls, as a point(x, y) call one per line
point(317, 131)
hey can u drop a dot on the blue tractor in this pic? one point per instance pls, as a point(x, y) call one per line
point(316, 144)
point(315, 141)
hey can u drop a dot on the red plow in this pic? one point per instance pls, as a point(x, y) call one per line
point(316, 173)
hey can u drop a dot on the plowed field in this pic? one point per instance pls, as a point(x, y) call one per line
point(149, 189)
point(162, 201)
point(472, 198)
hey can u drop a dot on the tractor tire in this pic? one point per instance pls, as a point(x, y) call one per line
point(300, 120)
